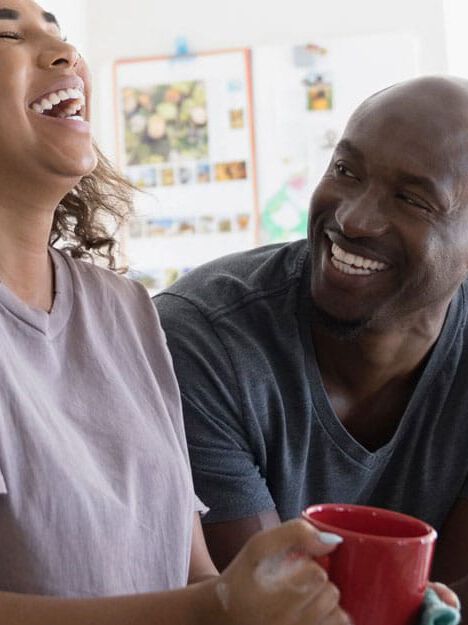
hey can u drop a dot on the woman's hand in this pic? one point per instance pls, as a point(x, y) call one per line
point(275, 580)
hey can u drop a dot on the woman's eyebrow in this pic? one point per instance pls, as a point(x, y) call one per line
point(9, 14)
point(50, 18)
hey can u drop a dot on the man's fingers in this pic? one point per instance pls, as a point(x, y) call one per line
point(445, 594)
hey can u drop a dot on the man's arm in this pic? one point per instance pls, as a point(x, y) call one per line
point(217, 419)
point(226, 539)
point(201, 565)
point(451, 557)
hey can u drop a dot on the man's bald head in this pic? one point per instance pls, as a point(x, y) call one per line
point(440, 88)
point(437, 105)
point(396, 192)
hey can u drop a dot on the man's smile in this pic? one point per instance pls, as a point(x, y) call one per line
point(352, 264)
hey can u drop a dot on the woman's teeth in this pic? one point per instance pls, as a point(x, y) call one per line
point(48, 103)
point(353, 264)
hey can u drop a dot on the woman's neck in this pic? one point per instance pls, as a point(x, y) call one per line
point(25, 264)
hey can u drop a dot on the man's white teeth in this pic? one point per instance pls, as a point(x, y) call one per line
point(353, 264)
point(48, 103)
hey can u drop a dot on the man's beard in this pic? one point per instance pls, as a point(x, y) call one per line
point(342, 329)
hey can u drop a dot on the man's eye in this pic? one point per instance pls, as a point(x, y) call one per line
point(342, 170)
point(10, 35)
point(412, 201)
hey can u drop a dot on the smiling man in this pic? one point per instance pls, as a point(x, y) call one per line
point(335, 369)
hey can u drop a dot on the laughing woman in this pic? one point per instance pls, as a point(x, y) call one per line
point(98, 519)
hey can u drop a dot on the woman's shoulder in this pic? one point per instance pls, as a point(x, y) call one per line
point(93, 278)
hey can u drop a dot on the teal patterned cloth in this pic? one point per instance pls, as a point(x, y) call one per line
point(436, 612)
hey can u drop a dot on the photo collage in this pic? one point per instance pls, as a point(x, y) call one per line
point(149, 227)
point(186, 141)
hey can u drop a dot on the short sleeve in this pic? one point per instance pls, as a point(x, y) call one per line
point(200, 507)
point(225, 472)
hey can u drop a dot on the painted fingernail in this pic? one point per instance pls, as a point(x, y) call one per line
point(327, 538)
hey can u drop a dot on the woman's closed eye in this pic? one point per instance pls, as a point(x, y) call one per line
point(10, 35)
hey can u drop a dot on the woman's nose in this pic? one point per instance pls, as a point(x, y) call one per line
point(58, 53)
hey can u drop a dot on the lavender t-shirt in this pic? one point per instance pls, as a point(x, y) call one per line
point(96, 495)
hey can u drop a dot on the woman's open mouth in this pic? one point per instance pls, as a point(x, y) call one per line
point(62, 104)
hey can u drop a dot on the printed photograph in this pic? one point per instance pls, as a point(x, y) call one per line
point(185, 175)
point(167, 177)
point(243, 221)
point(144, 176)
point(203, 172)
point(236, 118)
point(165, 123)
point(230, 171)
point(319, 93)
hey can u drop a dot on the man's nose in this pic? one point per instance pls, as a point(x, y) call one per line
point(58, 53)
point(365, 216)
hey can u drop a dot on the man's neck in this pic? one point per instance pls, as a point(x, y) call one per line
point(370, 380)
point(370, 361)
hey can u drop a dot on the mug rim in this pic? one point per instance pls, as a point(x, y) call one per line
point(428, 533)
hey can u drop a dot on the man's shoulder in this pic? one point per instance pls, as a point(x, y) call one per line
point(235, 279)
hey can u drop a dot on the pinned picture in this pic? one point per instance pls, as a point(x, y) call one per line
point(167, 177)
point(206, 224)
point(236, 170)
point(185, 175)
point(236, 118)
point(308, 55)
point(142, 176)
point(319, 92)
point(225, 224)
point(243, 221)
point(203, 172)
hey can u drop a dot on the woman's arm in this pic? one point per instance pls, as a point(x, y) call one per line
point(262, 584)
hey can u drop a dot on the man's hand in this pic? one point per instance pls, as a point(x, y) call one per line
point(445, 594)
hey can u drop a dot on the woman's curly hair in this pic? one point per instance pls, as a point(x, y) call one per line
point(87, 219)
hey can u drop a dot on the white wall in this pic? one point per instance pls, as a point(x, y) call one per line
point(128, 28)
point(456, 12)
point(72, 16)
point(139, 27)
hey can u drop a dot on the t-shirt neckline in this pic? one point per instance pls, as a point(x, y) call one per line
point(50, 323)
point(324, 410)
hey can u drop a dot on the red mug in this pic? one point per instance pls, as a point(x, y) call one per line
point(382, 566)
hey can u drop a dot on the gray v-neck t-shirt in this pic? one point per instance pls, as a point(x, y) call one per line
point(96, 494)
point(261, 430)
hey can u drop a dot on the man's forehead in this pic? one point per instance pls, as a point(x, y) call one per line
point(409, 149)
point(412, 119)
point(441, 102)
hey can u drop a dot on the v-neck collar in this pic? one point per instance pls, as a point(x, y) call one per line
point(50, 323)
point(325, 412)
